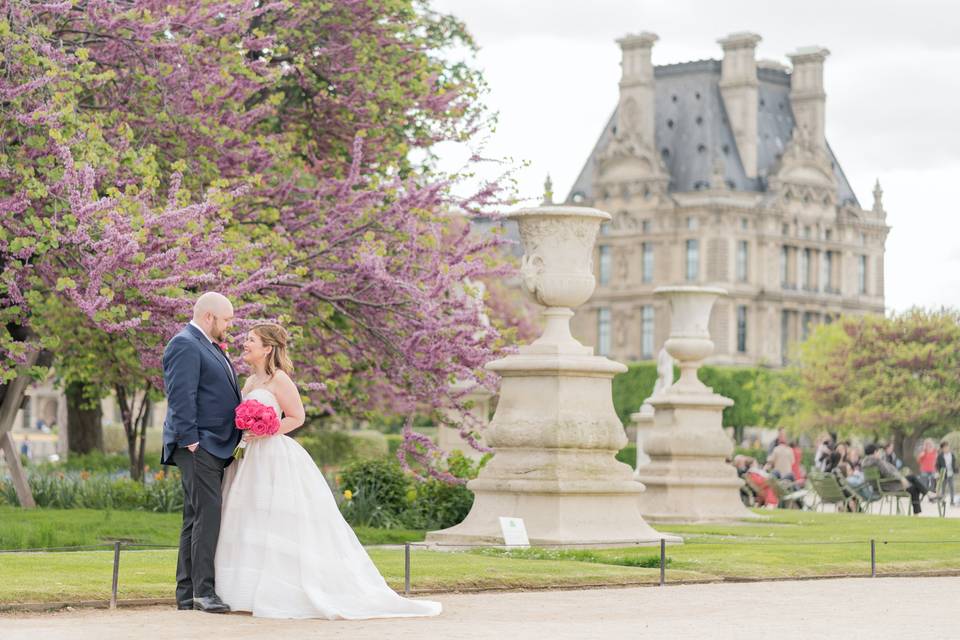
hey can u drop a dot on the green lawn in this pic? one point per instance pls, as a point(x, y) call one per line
point(86, 575)
point(787, 544)
point(45, 528)
point(795, 543)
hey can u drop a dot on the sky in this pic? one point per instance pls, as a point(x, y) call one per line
point(893, 99)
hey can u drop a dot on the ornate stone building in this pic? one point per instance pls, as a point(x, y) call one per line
point(719, 173)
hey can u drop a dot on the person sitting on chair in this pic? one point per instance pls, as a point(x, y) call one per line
point(891, 479)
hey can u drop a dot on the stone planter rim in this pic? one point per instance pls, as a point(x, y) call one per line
point(559, 212)
point(719, 291)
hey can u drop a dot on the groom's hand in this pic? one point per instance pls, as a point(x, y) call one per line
point(193, 447)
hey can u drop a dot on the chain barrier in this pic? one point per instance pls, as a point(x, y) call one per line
point(119, 546)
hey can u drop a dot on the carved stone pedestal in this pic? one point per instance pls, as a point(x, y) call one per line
point(555, 433)
point(688, 478)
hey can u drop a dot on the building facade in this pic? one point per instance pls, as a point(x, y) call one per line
point(719, 173)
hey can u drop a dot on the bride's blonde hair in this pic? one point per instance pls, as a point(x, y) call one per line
point(275, 336)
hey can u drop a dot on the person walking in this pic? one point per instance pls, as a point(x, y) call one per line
point(947, 464)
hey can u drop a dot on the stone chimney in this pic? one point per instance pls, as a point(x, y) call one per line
point(807, 98)
point(636, 108)
point(738, 86)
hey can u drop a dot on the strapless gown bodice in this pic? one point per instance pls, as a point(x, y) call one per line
point(265, 396)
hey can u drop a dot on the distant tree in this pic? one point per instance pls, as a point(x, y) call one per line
point(634, 386)
point(776, 397)
point(895, 377)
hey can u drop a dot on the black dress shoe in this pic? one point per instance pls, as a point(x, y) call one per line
point(211, 604)
point(185, 605)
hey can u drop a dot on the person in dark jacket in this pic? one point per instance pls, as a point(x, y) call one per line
point(947, 462)
point(891, 479)
point(199, 437)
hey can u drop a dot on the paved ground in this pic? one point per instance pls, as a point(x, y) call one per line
point(929, 510)
point(915, 608)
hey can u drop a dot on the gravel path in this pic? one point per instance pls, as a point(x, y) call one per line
point(915, 608)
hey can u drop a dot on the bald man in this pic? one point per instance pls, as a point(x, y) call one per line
point(199, 437)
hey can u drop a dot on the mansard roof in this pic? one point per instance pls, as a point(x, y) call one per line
point(692, 129)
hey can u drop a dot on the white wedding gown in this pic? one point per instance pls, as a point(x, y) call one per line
point(284, 549)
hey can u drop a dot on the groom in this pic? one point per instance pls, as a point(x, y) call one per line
point(199, 437)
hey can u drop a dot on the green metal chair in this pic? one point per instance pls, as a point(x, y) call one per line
point(865, 493)
point(939, 495)
point(827, 490)
point(891, 497)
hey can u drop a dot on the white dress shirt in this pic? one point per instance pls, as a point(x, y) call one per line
point(202, 331)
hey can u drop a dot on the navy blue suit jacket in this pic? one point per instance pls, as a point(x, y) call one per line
point(202, 396)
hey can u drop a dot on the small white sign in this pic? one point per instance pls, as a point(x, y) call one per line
point(514, 532)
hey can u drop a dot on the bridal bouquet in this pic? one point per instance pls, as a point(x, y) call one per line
point(258, 419)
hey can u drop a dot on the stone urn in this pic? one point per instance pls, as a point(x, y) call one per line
point(555, 433)
point(557, 266)
point(689, 342)
point(688, 478)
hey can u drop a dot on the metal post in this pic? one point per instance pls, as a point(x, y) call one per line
point(663, 560)
point(116, 574)
point(873, 558)
point(406, 568)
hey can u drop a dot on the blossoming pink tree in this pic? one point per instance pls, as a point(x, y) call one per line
point(308, 114)
point(100, 279)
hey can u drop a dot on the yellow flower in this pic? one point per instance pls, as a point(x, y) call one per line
point(338, 479)
point(348, 494)
point(158, 475)
point(84, 475)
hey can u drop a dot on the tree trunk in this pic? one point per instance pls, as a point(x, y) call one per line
point(898, 441)
point(135, 420)
point(84, 424)
point(910, 442)
point(11, 396)
point(144, 420)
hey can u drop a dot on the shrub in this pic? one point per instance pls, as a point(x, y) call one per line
point(394, 440)
point(97, 462)
point(368, 445)
point(7, 493)
point(759, 453)
point(368, 509)
point(328, 447)
point(628, 455)
point(164, 494)
point(630, 389)
point(381, 495)
point(54, 490)
point(460, 466)
point(161, 492)
point(438, 505)
point(381, 479)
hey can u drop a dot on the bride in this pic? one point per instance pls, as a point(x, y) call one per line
point(284, 549)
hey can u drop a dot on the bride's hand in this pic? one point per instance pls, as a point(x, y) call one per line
point(249, 437)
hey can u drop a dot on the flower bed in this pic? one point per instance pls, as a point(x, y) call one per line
point(160, 492)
